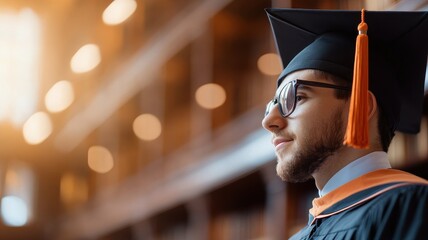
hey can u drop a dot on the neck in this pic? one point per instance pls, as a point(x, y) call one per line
point(336, 162)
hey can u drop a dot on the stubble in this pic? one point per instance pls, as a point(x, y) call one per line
point(314, 150)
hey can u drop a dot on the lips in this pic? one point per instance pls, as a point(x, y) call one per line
point(279, 142)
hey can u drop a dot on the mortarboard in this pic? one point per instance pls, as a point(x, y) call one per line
point(325, 40)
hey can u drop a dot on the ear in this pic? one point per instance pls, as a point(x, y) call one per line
point(372, 104)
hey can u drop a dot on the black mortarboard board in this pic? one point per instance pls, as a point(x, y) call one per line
point(325, 40)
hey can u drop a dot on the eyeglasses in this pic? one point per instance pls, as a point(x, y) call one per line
point(287, 98)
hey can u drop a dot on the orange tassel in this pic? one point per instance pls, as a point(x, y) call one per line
point(357, 132)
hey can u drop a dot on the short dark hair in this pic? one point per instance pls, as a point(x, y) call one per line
point(385, 129)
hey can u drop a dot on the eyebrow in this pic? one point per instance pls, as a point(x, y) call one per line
point(305, 88)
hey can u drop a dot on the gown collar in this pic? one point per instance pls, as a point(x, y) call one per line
point(364, 182)
point(368, 163)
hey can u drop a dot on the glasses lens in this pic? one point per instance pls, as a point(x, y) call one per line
point(286, 98)
point(269, 107)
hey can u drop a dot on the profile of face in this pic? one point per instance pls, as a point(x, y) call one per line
point(307, 123)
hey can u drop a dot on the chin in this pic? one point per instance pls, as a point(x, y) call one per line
point(291, 167)
point(283, 167)
point(286, 155)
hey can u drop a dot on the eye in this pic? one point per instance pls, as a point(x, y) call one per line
point(299, 98)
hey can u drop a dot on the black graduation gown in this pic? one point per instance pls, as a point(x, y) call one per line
point(385, 204)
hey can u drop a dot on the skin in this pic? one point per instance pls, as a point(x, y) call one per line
point(309, 142)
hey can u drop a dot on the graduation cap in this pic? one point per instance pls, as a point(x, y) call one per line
point(395, 66)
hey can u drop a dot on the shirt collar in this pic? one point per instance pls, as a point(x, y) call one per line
point(368, 163)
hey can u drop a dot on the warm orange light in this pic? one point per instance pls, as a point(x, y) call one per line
point(269, 64)
point(147, 127)
point(210, 96)
point(100, 159)
point(73, 189)
point(19, 64)
point(37, 128)
point(86, 58)
point(59, 97)
point(118, 11)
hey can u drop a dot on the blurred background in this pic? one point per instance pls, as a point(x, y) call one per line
point(141, 119)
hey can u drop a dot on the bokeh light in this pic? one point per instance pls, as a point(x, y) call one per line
point(210, 96)
point(20, 44)
point(269, 64)
point(73, 189)
point(147, 127)
point(14, 211)
point(37, 128)
point(100, 159)
point(86, 58)
point(59, 97)
point(118, 11)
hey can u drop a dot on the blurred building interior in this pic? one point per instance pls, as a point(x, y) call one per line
point(141, 119)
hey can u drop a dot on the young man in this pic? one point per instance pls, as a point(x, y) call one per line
point(361, 197)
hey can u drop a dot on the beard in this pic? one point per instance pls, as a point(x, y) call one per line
point(314, 150)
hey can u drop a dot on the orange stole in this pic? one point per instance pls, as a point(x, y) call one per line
point(372, 179)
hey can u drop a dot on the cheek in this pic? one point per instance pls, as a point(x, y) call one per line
point(312, 109)
point(310, 114)
point(312, 122)
point(307, 131)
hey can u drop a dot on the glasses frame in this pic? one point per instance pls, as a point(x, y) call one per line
point(295, 84)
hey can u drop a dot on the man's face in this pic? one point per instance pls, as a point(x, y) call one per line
point(313, 132)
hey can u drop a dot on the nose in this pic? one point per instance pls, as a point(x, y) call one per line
point(273, 121)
